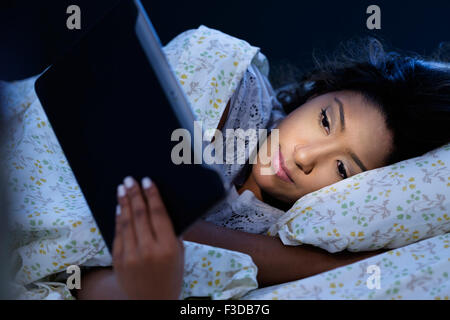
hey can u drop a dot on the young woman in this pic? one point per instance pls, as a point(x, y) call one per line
point(353, 114)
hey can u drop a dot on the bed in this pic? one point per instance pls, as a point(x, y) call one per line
point(52, 227)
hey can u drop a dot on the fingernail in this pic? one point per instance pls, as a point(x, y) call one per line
point(118, 210)
point(146, 182)
point(128, 182)
point(121, 190)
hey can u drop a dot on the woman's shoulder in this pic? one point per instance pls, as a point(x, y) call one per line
point(209, 65)
point(254, 104)
point(211, 45)
point(190, 39)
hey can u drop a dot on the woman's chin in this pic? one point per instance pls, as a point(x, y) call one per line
point(277, 191)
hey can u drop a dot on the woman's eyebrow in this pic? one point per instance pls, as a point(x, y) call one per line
point(341, 113)
point(357, 161)
point(342, 125)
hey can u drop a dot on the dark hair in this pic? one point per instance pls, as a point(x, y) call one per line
point(412, 93)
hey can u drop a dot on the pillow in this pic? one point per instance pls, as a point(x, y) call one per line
point(387, 207)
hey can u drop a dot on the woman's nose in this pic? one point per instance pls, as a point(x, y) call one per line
point(306, 156)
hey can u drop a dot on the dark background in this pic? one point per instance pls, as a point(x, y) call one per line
point(32, 33)
point(288, 31)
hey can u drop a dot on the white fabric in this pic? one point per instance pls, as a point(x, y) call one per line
point(209, 65)
point(244, 212)
point(419, 271)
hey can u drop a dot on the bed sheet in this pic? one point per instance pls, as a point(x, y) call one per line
point(416, 271)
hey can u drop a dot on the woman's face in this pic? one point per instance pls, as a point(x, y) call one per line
point(329, 138)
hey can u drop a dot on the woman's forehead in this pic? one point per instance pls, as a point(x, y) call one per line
point(365, 127)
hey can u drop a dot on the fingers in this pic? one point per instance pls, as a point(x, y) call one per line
point(142, 220)
point(126, 228)
point(118, 241)
point(159, 218)
point(139, 209)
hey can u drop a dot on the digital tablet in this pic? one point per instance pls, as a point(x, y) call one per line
point(113, 102)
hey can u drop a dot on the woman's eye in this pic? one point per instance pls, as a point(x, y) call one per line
point(323, 119)
point(341, 170)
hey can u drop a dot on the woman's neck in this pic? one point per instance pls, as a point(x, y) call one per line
point(250, 184)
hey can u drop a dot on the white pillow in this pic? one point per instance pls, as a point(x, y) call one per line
point(387, 207)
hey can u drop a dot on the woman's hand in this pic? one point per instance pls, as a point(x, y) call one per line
point(148, 258)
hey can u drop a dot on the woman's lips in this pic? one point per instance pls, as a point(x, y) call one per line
point(280, 168)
